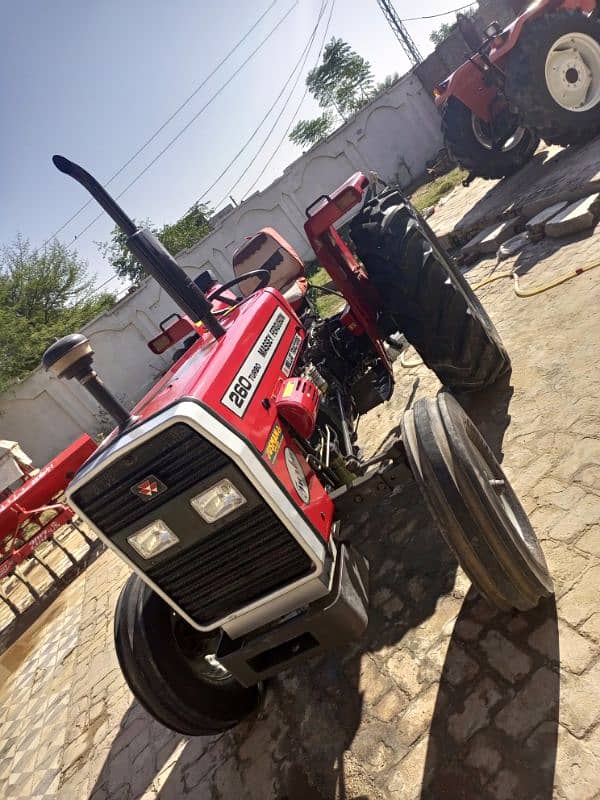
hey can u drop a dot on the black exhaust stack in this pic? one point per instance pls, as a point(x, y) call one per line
point(151, 254)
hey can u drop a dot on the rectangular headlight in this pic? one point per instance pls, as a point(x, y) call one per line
point(153, 539)
point(218, 501)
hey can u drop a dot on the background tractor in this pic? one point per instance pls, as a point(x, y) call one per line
point(537, 78)
point(232, 488)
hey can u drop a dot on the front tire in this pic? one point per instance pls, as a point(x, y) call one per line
point(426, 296)
point(169, 669)
point(473, 503)
point(470, 144)
point(553, 77)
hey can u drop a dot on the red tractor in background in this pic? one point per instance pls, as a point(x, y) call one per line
point(232, 488)
point(537, 78)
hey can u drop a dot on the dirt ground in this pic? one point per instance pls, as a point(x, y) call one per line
point(444, 697)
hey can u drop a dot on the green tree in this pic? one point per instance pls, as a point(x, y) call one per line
point(308, 131)
point(344, 80)
point(388, 81)
point(437, 36)
point(341, 84)
point(43, 295)
point(186, 232)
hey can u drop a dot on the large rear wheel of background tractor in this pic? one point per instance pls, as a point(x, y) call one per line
point(469, 141)
point(474, 505)
point(171, 669)
point(553, 76)
point(425, 294)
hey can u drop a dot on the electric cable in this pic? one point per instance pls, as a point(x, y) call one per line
point(172, 141)
point(296, 112)
point(179, 108)
point(300, 63)
point(441, 14)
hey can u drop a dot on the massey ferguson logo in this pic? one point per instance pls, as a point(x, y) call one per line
point(149, 488)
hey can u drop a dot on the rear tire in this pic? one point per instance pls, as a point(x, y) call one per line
point(426, 296)
point(458, 127)
point(163, 660)
point(483, 523)
point(536, 80)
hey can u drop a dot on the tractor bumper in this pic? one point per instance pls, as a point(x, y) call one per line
point(333, 620)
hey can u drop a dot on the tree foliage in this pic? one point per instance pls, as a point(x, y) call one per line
point(308, 131)
point(186, 232)
point(43, 295)
point(439, 34)
point(341, 84)
point(344, 80)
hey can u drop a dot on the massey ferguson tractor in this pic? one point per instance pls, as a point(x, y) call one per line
point(231, 487)
point(537, 78)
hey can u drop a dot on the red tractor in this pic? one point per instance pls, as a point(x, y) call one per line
point(231, 488)
point(537, 78)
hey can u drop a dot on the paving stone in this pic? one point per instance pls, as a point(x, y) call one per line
point(372, 683)
point(417, 717)
point(404, 669)
point(476, 710)
point(535, 225)
point(580, 701)
point(590, 541)
point(490, 239)
point(535, 702)
point(577, 766)
point(504, 657)
point(484, 756)
point(409, 776)
point(390, 706)
point(468, 630)
point(591, 627)
point(583, 599)
point(578, 216)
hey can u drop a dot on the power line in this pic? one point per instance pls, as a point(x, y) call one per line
point(296, 112)
point(441, 14)
point(285, 105)
point(159, 130)
point(299, 64)
point(172, 141)
point(403, 36)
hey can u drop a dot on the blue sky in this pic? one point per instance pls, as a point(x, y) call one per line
point(93, 80)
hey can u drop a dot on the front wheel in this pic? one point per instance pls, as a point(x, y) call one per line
point(425, 296)
point(171, 668)
point(474, 504)
point(553, 76)
point(470, 142)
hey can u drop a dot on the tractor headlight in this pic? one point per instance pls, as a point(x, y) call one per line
point(153, 539)
point(218, 501)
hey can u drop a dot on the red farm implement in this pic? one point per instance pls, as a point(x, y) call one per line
point(35, 511)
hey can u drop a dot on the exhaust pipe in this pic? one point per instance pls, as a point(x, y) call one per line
point(156, 260)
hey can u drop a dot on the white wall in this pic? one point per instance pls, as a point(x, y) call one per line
point(395, 136)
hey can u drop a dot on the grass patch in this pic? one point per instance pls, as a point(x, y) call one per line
point(430, 193)
point(327, 304)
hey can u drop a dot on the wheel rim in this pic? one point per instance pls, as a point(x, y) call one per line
point(572, 72)
point(199, 651)
point(483, 135)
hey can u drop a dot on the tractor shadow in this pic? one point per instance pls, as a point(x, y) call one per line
point(338, 727)
point(546, 172)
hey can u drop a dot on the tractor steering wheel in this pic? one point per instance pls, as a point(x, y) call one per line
point(264, 276)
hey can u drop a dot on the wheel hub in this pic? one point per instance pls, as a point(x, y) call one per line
point(483, 134)
point(573, 72)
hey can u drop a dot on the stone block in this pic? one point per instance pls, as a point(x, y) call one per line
point(476, 712)
point(504, 657)
point(536, 702)
point(580, 701)
point(576, 217)
point(535, 226)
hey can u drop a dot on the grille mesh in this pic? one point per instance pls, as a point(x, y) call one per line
point(178, 456)
point(220, 573)
point(235, 566)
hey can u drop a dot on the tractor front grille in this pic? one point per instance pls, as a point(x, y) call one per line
point(237, 565)
point(177, 456)
point(216, 574)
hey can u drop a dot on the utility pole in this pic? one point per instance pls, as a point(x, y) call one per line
point(403, 36)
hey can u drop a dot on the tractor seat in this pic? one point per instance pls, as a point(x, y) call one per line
point(268, 250)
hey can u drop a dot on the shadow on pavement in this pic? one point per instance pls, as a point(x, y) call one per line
point(469, 757)
point(334, 723)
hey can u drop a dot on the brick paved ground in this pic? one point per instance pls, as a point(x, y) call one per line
point(444, 698)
